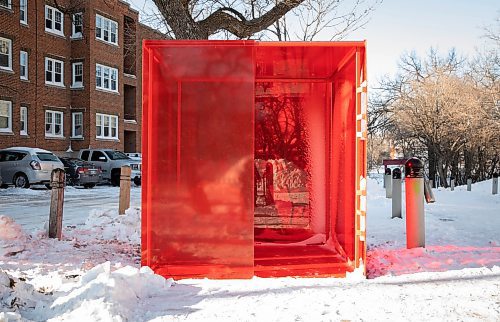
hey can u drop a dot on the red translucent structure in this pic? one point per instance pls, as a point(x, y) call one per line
point(254, 158)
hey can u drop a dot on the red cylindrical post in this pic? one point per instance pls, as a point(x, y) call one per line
point(415, 223)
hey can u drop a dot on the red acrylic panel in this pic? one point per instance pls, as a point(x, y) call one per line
point(198, 173)
point(254, 158)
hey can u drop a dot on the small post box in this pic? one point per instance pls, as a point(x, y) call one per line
point(414, 185)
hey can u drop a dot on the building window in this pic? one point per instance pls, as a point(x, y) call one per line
point(106, 126)
point(5, 53)
point(54, 21)
point(106, 30)
point(54, 72)
point(24, 120)
point(53, 124)
point(106, 78)
point(5, 116)
point(23, 63)
point(23, 11)
point(77, 125)
point(77, 75)
point(77, 29)
point(5, 4)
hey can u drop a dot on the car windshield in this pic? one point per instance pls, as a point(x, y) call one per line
point(117, 155)
point(44, 156)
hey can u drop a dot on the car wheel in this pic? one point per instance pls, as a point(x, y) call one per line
point(89, 185)
point(115, 178)
point(137, 181)
point(21, 181)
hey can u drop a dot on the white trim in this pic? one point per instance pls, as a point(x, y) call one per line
point(9, 5)
point(104, 29)
point(51, 14)
point(101, 79)
point(73, 123)
point(76, 35)
point(23, 7)
point(23, 111)
point(52, 133)
point(52, 63)
point(8, 129)
point(9, 53)
point(75, 84)
point(101, 124)
point(25, 54)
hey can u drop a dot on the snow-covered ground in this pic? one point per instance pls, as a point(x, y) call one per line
point(93, 274)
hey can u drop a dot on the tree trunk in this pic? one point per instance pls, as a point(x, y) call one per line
point(432, 163)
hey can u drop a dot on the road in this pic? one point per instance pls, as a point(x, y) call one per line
point(30, 207)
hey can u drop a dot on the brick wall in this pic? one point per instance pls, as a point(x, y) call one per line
point(39, 97)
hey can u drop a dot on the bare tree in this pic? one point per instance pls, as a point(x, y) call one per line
point(261, 19)
point(445, 110)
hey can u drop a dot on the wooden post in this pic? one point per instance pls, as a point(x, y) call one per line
point(57, 180)
point(124, 189)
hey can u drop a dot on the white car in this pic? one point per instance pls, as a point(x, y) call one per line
point(22, 166)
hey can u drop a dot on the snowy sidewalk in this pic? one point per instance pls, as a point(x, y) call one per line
point(93, 273)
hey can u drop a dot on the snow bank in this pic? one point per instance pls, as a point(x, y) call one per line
point(108, 225)
point(12, 237)
point(106, 295)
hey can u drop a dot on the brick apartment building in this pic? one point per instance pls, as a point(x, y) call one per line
point(70, 74)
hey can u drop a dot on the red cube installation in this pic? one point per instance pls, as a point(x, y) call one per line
point(254, 158)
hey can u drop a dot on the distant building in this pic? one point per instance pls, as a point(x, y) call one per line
point(70, 74)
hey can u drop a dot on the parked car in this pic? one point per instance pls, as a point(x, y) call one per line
point(81, 173)
point(23, 166)
point(110, 161)
point(136, 167)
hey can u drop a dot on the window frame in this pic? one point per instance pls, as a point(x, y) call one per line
point(100, 73)
point(23, 11)
point(9, 5)
point(73, 123)
point(8, 129)
point(9, 54)
point(102, 125)
point(53, 72)
point(21, 54)
point(53, 29)
point(74, 83)
point(23, 111)
point(100, 29)
point(53, 134)
point(76, 35)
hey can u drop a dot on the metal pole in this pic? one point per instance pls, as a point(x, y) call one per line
point(396, 193)
point(469, 183)
point(388, 183)
point(452, 183)
point(494, 188)
point(429, 195)
point(385, 177)
point(415, 222)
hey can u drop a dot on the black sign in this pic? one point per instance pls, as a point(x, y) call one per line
point(414, 168)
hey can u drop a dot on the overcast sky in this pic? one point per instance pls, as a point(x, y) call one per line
point(405, 25)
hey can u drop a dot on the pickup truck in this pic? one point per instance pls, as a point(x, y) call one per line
point(111, 162)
